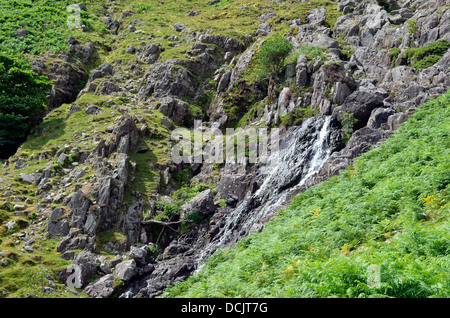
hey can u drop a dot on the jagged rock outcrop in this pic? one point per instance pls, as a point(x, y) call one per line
point(358, 92)
point(64, 72)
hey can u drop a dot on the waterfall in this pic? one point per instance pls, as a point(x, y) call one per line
point(302, 153)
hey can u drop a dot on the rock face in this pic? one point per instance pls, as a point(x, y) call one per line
point(337, 105)
point(66, 74)
point(57, 225)
point(87, 267)
point(102, 288)
point(126, 270)
point(202, 204)
point(360, 104)
point(103, 70)
point(284, 174)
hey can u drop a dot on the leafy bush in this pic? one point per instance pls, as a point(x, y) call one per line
point(393, 55)
point(327, 242)
point(21, 102)
point(180, 197)
point(348, 123)
point(273, 53)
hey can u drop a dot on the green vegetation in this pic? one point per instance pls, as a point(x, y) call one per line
point(390, 211)
point(412, 26)
point(43, 24)
point(348, 123)
point(21, 103)
point(273, 53)
point(421, 57)
point(428, 55)
point(296, 117)
point(311, 53)
point(27, 275)
point(393, 55)
point(170, 210)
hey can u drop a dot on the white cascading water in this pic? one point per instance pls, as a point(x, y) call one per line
point(301, 155)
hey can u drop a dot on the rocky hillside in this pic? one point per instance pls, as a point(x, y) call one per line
point(91, 204)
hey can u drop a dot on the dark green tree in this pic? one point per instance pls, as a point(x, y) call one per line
point(22, 102)
point(271, 57)
point(273, 53)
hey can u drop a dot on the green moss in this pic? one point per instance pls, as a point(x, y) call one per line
point(426, 56)
point(110, 236)
point(393, 55)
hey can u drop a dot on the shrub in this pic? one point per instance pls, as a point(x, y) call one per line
point(273, 53)
point(412, 26)
point(348, 123)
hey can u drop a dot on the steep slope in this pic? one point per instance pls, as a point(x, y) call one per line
point(92, 203)
point(386, 214)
